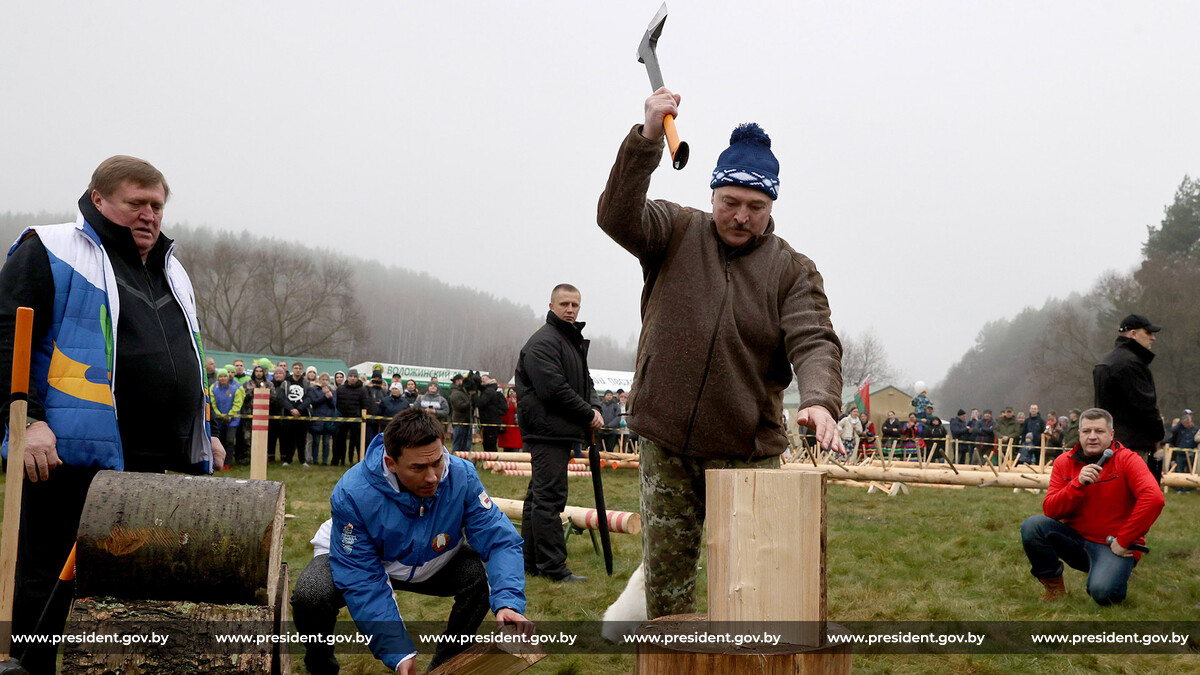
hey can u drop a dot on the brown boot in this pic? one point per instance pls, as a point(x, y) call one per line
point(1055, 588)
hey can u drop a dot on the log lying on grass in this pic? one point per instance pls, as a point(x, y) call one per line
point(526, 458)
point(1007, 479)
point(619, 522)
point(169, 537)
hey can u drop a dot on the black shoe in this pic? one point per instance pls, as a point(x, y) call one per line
point(569, 579)
point(321, 664)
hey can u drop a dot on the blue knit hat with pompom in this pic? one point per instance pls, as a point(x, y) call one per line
point(748, 161)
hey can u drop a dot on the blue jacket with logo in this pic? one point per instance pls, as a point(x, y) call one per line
point(380, 532)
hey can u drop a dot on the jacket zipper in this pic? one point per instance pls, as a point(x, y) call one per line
point(154, 305)
point(712, 344)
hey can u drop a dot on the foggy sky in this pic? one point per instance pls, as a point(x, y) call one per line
point(943, 163)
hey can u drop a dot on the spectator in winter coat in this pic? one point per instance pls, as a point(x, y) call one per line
point(375, 394)
point(960, 430)
point(460, 414)
point(351, 402)
point(849, 429)
point(394, 402)
point(867, 440)
point(257, 380)
point(1124, 387)
point(1071, 431)
point(239, 374)
point(610, 410)
point(1185, 437)
point(1007, 429)
point(323, 403)
point(934, 434)
point(275, 425)
point(492, 405)
point(985, 436)
point(510, 438)
point(919, 403)
point(433, 401)
point(911, 434)
point(1031, 433)
point(410, 392)
point(210, 372)
point(226, 396)
point(295, 403)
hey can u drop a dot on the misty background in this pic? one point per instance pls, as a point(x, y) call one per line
point(959, 171)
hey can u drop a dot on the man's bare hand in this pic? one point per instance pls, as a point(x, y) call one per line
point(218, 451)
point(1089, 474)
point(1120, 550)
point(660, 104)
point(407, 667)
point(41, 453)
point(511, 617)
point(597, 420)
point(823, 427)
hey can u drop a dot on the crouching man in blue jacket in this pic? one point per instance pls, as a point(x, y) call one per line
point(410, 517)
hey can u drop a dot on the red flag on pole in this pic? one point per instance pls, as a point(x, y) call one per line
point(862, 395)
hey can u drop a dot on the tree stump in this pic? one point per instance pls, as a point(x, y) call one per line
point(714, 659)
point(168, 537)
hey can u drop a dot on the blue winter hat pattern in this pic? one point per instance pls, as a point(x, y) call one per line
point(748, 161)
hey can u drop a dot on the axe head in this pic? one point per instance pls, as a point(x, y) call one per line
point(646, 53)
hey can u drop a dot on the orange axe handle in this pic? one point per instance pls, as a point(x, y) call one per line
point(16, 474)
point(679, 149)
point(21, 349)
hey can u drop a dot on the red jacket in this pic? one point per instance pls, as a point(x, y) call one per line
point(510, 437)
point(1124, 501)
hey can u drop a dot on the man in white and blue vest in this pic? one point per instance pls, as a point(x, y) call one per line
point(117, 374)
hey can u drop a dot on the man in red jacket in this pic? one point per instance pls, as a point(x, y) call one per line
point(1085, 505)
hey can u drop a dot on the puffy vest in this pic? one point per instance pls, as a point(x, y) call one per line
point(72, 367)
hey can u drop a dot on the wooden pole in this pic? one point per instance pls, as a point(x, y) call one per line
point(362, 440)
point(15, 480)
point(619, 522)
point(260, 410)
point(749, 546)
point(1042, 457)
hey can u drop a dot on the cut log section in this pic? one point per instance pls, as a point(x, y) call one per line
point(491, 659)
point(700, 658)
point(169, 537)
point(619, 522)
point(281, 656)
point(190, 648)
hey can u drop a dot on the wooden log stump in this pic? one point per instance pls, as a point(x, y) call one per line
point(713, 658)
point(190, 648)
point(169, 537)
point(281, 656)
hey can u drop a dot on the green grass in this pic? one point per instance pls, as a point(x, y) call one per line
point(934, 554)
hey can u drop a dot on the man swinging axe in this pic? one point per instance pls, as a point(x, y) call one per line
point(730, 312)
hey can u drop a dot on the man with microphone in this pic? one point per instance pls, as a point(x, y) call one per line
point(1101, 501)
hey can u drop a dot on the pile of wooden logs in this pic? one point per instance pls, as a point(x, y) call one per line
point(185, 556)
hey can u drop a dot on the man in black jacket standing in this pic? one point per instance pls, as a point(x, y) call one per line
point(557, 408)
point(1125, 388)
point(492, 405)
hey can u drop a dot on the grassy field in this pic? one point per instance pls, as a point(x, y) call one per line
point(934, 554)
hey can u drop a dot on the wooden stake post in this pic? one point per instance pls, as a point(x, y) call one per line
point(261, 408)
point(14, 481)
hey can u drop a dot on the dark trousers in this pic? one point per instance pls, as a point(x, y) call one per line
point(292, 436)
point(50, 512)
point(490, 436)
point(241, 451)
point(545, 545)
point(348, 432)
point(610, 442)
point(272, 438)
point(1048, 541)
point(316, 603)
point(462, 437)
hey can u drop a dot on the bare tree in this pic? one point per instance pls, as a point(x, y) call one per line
point(866, 355)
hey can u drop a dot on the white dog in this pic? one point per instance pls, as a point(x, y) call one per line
point(624, 615)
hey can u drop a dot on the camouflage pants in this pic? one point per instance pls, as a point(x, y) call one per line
point(672, 501)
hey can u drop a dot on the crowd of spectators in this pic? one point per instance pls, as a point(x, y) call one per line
point(978, 434)
point(316, 418)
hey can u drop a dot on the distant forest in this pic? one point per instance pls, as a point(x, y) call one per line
point(1045, 355)
point(261, 295)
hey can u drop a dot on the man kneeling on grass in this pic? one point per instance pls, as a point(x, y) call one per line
point(1086, 506)
point(400, 517)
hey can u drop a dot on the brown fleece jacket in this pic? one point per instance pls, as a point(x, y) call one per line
point(722, 328)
